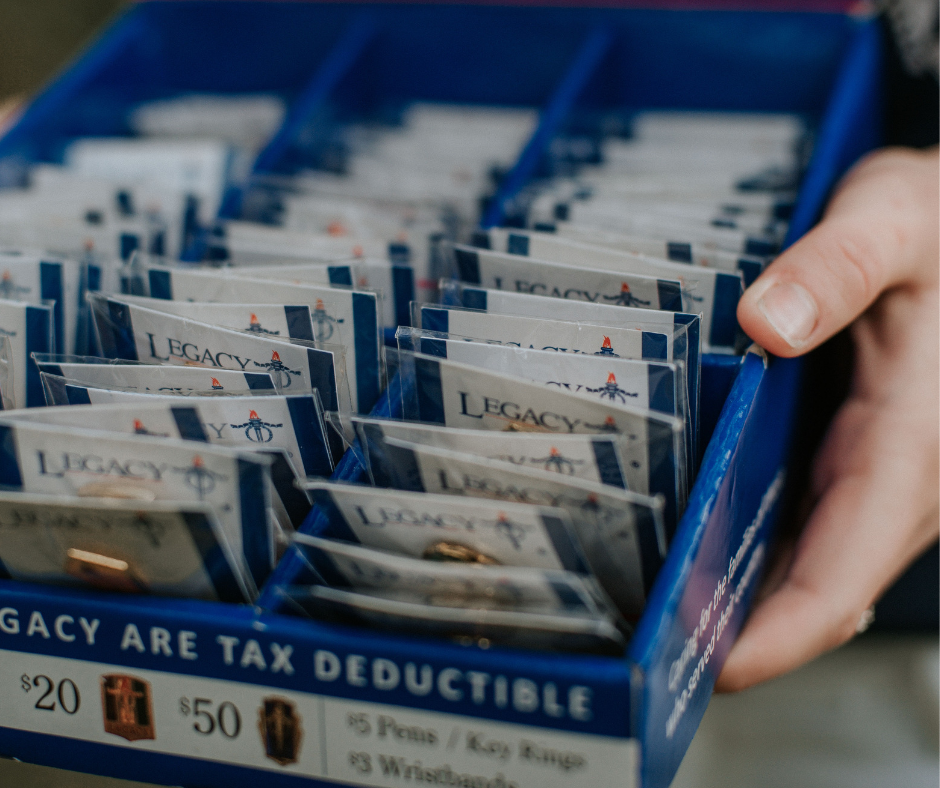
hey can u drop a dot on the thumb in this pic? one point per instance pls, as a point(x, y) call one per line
point(878, 232)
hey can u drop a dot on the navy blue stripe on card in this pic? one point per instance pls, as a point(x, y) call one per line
point(214, 559)
point(517, 244)
point(401, 466)
point(253, 501)
point(663, 471)
point(468, 266)
point(679, 252)
point(366, 340)
point(434, 347)
point(608, 464)
point(648, 545)
point(565, 547)
point(309, 432)
point(403, 290)
point(121, 331)
point(54, 390)
point(655, 346)
point(188, 423)
point(750, 269)
point(430, 393)
point(74, 395)
point(662, 388)
point(299, 325)
point(38, 340)
point(433, 319)
point(473, 298)
point(338, 528)
point(323, 376)
point(10, 475)
point(161, 284)
point(340, 275)
point(259, 381)
point(670, 295)
point(724, 326)
point(50, 288)
point(283, 477)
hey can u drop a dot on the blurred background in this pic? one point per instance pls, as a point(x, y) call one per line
point(865, 716)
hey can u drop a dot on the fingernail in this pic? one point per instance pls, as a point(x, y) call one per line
point(791, 310)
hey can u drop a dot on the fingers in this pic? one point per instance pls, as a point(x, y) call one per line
point(880, 231)
point(844, 561)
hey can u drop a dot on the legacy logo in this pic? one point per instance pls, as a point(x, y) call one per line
point(514, 413)
point(73, 462)
point(612, 391)
point(9, 289)
point(140, 429)
point(625, 297)
point(606, 349)
point(323, 321)
point(216, 386)
point(200, 478)
point(257, 430)
point(558, 463)
point(254, 326)
point(278, 371)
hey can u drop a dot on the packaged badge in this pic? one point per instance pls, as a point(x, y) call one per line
point(143, 547)
point(547, 237)
point(594, 458)
point(517, 274)
point(621, 533)
point(44, 459)
point(340, 316)
point(714, 294)
point(29, 329)
point(445, 392)
point(545, 632)
point(124, 375)
point(452, 584)
point(449, 529)
point(650, 385)
point(137, 333)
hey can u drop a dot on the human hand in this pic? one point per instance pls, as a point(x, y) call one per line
point(873, 260)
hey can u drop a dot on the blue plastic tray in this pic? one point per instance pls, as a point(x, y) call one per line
point(589, 720)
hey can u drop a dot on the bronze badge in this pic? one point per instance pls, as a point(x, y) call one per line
point(127, 707)
point(281, 730)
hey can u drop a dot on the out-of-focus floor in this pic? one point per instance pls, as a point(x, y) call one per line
point(865, 716)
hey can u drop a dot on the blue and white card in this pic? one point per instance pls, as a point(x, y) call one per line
point(44, 459)
point(340, 316)
point(594, 458)
point(517, 274)
point(293, 423)
point(418, 524)
point(343, 565)
point(620, 532)
point(143, 547)
point(155, 378)
point(462, 396)
point(683, 330)
point(548, 333)
point(541, 243)
point(268, 320)
point(136, 333)
point(650, 385)
point(713, 294)
point(44, 279)
point(29, 329)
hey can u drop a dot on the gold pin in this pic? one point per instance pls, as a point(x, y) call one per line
point(102, 571)
point(454, 552)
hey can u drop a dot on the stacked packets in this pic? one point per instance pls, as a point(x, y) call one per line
point(542, 381)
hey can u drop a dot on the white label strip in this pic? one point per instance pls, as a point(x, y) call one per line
point(366, 744)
